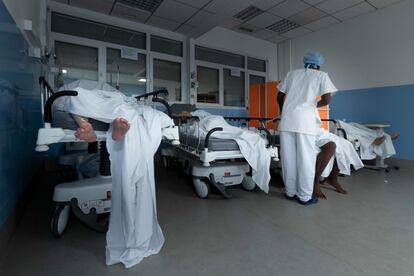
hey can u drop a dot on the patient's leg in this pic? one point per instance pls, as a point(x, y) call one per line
point(327, 151)
point(120, 127)
point(378, 141)
point(333, 179)
point(85, 131)
point(395, 136)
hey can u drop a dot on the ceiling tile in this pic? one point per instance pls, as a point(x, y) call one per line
point(199, 18)
point(322, 23)
point(127, 12)
point(175, 11)
point(289, 8)
point(382, 3)
point(263, 20)
point(162, 23)
point(297, 32)
point(102, 6)
point(185, 29)
point(276, 39)
point(267, 4)
point(307, 16)
point(313, 2)
point(263, 34)
point(230, 7)
point(194, 3)
point(332, 6)
point(231, 23)
point(354, 11)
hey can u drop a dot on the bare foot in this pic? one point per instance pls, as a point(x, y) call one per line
point(120, 127)
point(395, 136)
point(379, 140)
point(337, 186)
point(318, 193)
point(85, 132)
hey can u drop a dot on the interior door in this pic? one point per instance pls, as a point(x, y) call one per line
point(257, 98)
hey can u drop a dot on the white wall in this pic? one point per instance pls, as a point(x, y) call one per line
point(34, 10)
point(374, 50)
point(227, 40)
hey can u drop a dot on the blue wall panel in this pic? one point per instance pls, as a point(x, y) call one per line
point(20, 115)
point(389, 105)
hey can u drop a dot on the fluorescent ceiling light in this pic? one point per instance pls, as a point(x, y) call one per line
point(64, 71)
point(142, 80)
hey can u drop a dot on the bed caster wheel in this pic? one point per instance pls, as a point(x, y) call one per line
point(165, 162)
point(60, 219)
point(248, 184)
point(201, 187)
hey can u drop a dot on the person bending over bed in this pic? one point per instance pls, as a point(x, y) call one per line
point(336, 156)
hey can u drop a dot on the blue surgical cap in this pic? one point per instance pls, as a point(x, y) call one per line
point(313, 58)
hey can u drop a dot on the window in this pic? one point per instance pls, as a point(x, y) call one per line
point(256, 64)
point(75, 62)
point(220, 57)
point(233, 88)
point(70, 25)
point(129, 75)
point(208, 85)
point(167, 75)
point(166, 46)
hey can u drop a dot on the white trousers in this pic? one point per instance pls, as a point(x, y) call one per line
point(298, 156)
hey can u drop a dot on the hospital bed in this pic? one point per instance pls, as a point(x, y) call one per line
point(88, 198)
point(210, 161)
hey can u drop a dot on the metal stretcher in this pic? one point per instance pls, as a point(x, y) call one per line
point(87, 198)
point(209, 160)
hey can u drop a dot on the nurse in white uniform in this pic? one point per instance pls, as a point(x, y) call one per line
point(299, 124)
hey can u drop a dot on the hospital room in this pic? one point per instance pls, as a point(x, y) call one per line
point(206, 137)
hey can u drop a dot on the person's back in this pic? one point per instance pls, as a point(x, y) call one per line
point(302, 87)
point(299, 124)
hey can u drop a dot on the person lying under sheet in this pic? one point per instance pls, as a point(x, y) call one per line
point(252, 145)
point(336, 156)
point(132, 140)
point(373, 143)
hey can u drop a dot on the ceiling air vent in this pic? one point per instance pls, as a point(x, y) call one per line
point(245, 29)
point(146, 5)
point(248, 13)
point(283, 26)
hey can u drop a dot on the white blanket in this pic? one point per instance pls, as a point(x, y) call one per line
point(345, 153)
point(252, 145)
point(366, 137)
point(134, 232)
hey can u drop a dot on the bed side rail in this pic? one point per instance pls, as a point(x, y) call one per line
point(164, 103)
point(339, 129)
point(209, 134)
point(155, 94)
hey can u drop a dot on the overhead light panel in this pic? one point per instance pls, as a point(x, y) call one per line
point(146, 5)
point(283, 26)
point(142, 80)
point(248, 13)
